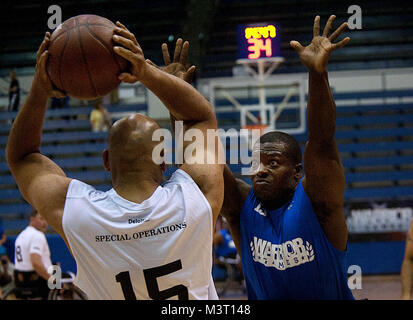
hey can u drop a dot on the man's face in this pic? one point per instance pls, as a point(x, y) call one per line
point(39, 223)
point(274, 175)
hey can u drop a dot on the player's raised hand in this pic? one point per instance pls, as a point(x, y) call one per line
point(129, 49)
point(41, 81)
point(177, 66)
point(315, 56)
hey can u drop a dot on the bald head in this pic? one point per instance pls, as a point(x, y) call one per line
point(130, 143)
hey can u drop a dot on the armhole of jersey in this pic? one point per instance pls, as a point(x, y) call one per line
point(65, 214)
point(304, 194)
point(200, 193)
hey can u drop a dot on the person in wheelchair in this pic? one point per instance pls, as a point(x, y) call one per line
point(5, 276)
point(32, 260)
point(225, 253)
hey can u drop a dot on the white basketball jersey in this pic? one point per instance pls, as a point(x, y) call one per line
point(158, 249)
point(29, 241)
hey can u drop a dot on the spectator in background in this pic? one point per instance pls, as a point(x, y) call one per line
point(223, 244)
point(407, 267)
point(14, 92)
point(32, 257)
point(100, 119)
point(3, 239)
point(5, 276)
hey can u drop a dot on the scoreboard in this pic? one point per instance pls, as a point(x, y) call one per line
point(258, 40)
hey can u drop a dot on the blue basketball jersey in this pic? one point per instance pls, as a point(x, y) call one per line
point(286, 255)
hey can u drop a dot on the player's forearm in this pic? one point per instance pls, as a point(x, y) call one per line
point(25, 134)
point(38, 266)
point(41, 271)
point(321, 112)
point(182, 100)
point(407, 279)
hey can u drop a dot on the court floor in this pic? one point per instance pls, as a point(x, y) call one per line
point(373, 287)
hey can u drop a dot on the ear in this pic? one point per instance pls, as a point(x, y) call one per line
point(163, 164)
point(163, 167)
point(105, 157)
point(298, 172)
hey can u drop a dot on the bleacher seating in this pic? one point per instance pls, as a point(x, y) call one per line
point(384, 40)
point(68, 140)
point(152, 23)
point(374, 141)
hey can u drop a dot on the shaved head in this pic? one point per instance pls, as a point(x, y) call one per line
point(130, 144)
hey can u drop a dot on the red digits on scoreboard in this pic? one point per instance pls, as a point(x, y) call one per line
point(258, 45)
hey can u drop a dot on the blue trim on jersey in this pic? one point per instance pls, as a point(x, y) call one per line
point(286, 254)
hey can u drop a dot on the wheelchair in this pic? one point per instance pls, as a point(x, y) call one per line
point(68, 291)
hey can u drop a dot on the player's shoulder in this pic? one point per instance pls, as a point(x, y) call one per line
point(180, 177)
point(79, 189)
point(32, 233)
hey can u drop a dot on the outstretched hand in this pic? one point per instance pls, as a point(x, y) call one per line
point(41, 81)
point(130, 50)
point(316, 55)
point(177, 66)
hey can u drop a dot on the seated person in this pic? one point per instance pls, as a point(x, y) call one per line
point(223, 244)
point(32, 258)
point(5, 276)
point(225, 253)
point(100, 119)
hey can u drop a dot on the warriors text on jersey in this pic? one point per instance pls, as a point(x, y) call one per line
point(286, 255)
point(158, 249)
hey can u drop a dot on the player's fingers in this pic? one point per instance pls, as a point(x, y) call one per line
point(328, 25)
point(339, 30)
point(43, 45)
point(126, 34)
point(41, 63)
point(165, 54)
point(126, 43)
point(189, 74)
point(184, 53)
point(120, 25)
point(127, 54)
point(178, 49)
point(127, 77)
point(316, 27)
point(296, 46)
point(340, 44)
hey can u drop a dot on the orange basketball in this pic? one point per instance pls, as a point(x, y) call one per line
point(82, 62)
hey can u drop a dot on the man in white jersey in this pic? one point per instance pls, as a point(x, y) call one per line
point(32, 257)
point(140, 240)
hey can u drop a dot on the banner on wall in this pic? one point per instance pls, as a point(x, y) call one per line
point(383, 217)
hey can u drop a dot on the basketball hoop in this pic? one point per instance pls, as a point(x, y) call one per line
point(262, 127)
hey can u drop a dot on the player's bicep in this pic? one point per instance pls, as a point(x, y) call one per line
point(44, 185)
point(209, 179)
point(204, 161)
point(324, 180)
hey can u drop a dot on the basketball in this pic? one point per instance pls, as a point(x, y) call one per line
point(82, 62)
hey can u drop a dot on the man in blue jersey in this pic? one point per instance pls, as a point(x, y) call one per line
point(289, 228)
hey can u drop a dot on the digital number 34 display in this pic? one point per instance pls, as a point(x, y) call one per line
point(261, 40)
